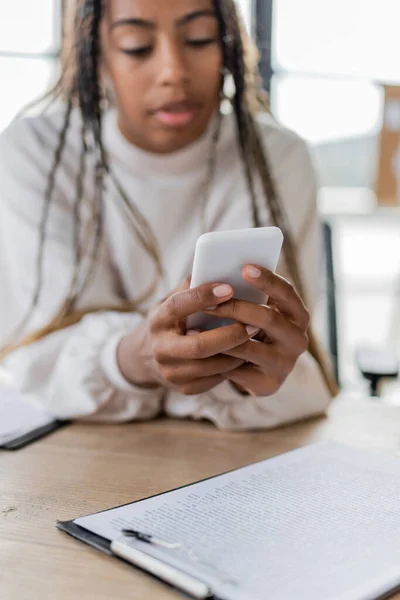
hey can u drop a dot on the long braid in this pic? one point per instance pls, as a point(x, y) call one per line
point(81, 85)
point(89, 93)
point(47, 204)
point(85, 87)
point(77, 219)
point(42, 233)
point(253, 154)
point(232, 57)
point(279, 217)
point(89, 96)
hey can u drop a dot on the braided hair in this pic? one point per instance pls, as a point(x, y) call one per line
point(79, 84)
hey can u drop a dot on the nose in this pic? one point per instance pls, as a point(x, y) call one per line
point(173, 70)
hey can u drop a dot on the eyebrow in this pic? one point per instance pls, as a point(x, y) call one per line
point(151, 25)
point(195, 15)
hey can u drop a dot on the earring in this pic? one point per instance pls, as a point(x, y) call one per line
point(228, 88)
point(228, 91)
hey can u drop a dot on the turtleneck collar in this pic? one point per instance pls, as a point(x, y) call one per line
point(180, 162)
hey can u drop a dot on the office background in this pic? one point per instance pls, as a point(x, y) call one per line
point(324, 64)
point(327, 63)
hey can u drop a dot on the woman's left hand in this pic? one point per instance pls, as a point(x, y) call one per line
point(284, 323)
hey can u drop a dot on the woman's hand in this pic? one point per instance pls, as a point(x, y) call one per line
point(284, 323)
point(160, 353)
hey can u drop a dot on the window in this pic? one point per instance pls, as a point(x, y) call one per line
point(30, 38)
point(352, 38)
point(329, 59)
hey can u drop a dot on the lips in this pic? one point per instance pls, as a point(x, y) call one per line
point(177, 114)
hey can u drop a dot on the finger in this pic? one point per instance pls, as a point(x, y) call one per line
point(281, 292)
point(264, 356)
point(182, 304)
point(184, 285)
point(173, 346)
point(200, 386)
point(192, 370)
point(254, 381)
point(276, 325)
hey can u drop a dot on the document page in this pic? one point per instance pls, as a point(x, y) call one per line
point(322, 522)
point(19, 415)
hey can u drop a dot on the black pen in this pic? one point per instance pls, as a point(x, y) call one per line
point(149, 539)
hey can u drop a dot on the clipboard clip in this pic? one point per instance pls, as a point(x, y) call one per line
point(194, 559)
point(150, 539)
point(178, 579)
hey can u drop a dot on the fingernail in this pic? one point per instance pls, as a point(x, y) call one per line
point(251, 331)
point(221, 291)
point(212, 308)
point(192, 332)
point(253, 272)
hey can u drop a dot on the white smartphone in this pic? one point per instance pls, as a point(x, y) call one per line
point(220, 257)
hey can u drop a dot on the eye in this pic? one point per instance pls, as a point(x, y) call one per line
point(138, 52)
point(201, 43)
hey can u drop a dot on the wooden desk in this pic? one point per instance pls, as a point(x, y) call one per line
point(83, 469)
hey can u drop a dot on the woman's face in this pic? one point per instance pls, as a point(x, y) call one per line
point(162, 62)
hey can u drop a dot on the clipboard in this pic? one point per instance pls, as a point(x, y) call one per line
point(33, 436)
point(104, 545)
point(22, 420)
point(190, 586)
point(378, 580)
point(173, 578)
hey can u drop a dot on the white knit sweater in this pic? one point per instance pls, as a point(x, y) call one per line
point(74, 372)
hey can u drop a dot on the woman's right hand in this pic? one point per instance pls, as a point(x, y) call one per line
point(160, 352)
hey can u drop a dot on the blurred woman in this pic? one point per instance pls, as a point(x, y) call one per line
point(162, 134)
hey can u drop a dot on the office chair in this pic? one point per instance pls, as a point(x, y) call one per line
point(374, 364)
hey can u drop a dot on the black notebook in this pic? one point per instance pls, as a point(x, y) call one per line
point(322, 522)
point(22, 421)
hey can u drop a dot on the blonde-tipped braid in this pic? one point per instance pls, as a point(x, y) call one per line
point(80, 84)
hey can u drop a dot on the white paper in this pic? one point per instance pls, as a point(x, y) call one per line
point(318, 523)
point(19, 415)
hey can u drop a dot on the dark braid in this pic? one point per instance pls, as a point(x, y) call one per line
point(42, 229)
point(254, 155)
point(89, 94)
point(87, 76)
point(233, 63)
point(280, 219)
point(89, 98)
point(69, 305)
point(42, 233)
point(84, 86)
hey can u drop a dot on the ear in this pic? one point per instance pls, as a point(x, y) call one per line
point(106, 81)
point(107, 87)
